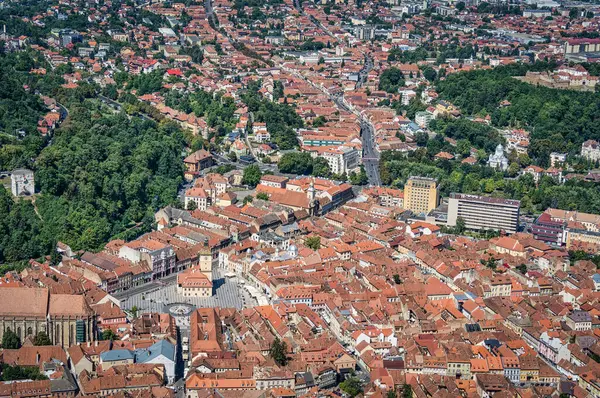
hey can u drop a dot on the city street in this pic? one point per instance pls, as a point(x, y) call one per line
point(370, 154)
point(155, 296)
point(367, 132)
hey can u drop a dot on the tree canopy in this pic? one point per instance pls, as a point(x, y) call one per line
point(16, 372)
point(252, 175)
point(105, 173)
point(351, 386)
point(278, 352)
point(10, 340)
point(108, 334)
point(313, 242)
point(20, 111)
point(22, 233)
point(216, 109)
point(559, 120)
point(304, 164)
point(359, 178)
point(481, 136)
point(391, 80)
point(281, 119)
point(42, 339)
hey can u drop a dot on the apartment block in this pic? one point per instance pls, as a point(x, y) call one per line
point(481, 212)
point(421, 194)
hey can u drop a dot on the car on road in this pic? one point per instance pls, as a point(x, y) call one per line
point(247, 159)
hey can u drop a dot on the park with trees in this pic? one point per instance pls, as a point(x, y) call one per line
point(558, 120)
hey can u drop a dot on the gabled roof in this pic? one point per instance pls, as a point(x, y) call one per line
point(116, 355)
point(20, 301)
point(162, 347)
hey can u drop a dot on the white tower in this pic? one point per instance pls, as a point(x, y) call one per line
point(311, 193)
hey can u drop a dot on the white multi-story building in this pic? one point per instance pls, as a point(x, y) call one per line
point(481, 212)
point(554, 348)
point(579, 321)
point(591, 150)
point(557, 159)
point(342, 159)
point(206, 190)
point(423, 118)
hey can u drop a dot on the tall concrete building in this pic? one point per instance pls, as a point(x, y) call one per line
point(482, 212)
point(421, 194)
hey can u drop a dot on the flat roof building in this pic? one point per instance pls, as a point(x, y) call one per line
point(421, 194)
point(482, 212)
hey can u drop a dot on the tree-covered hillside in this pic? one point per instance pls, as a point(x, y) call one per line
point(20, 111)
point(100, 175)
point(103, 173)
point(559, 120)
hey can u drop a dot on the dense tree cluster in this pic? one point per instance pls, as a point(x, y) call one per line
point(216, 109)
point(22, 233)
point(105, 174)
point(414, 105)
point(20, 111)
point(352, 386)
point(313, 242)
point(391, 80)
point(241, 4)
point(281, 119)
point(252, 175)
point(579, 255)
point(196, 52)
point(109, 334)
point(395, 54)
point(42, 339)
point(16, 372)
point(359, 178)
point(480, 136)
point(559, 120)
point(304, 164)
point(454, 50)
point(498, 9)
point(311, 45)
point(278, 352)
point(10, 340)
point(146, 83)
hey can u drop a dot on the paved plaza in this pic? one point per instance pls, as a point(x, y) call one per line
point(158, 295)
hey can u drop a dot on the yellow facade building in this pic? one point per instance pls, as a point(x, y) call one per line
point(421, 194)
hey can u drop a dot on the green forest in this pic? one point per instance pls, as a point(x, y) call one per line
point(22, 233)
point(480, 136)
point(104, 176)
point(101, 176)
point(558, 120)
point(105, 173)
point(301, 163)
point(217, 110)
point(391, 80)
point(281, 119)
point(20, 111)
